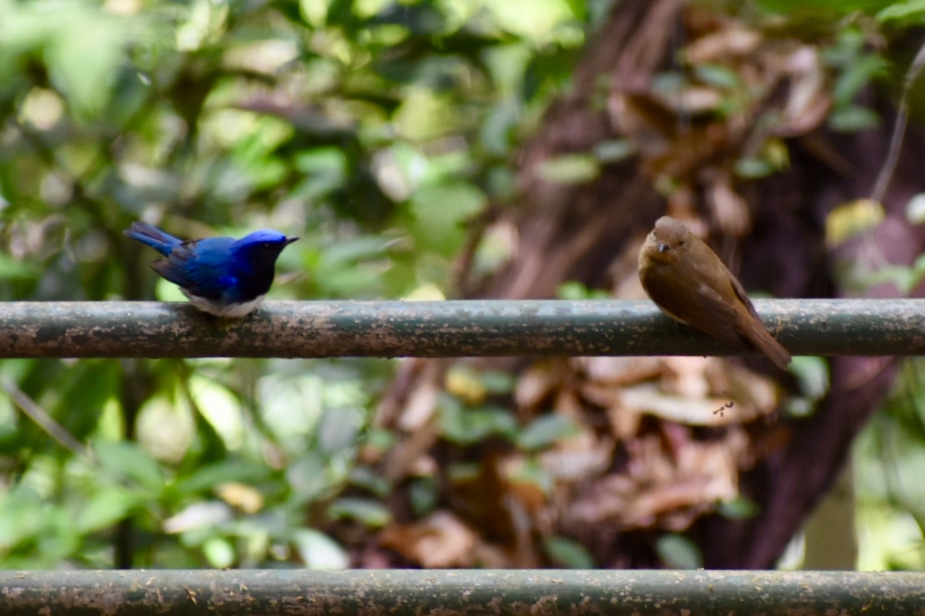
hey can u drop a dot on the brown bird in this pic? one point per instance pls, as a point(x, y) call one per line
point(686, 279)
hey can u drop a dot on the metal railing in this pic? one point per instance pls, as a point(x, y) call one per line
point(442, 329)
point(445, 592)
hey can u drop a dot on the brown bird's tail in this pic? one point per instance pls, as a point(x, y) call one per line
point(757, 334)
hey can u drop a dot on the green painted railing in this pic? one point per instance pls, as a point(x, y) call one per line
point(448, 593)
point(442, 329)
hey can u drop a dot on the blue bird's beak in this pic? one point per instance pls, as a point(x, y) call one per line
point(290, 240)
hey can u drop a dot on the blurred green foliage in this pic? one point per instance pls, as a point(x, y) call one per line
point(890, 457)
point(375, 130)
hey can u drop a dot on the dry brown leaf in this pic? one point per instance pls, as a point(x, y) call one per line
point(642, 119)
point(406, 453)
point(538, 382)
point(604, 396)
point(686, 376)
point(691, 100)
point(528, 494)
point(568, 404)
point(723, 44)
point(489, 556)
point(424, 466)
point(618, 370)
point(624, 422)
point(728, 207)
point(809, 101)
point(422, 402)
point(440, 540)
point(657, 491)
point(578, 458)
point(246, 498)
point(712, 411)
point(463, 382)
point(753, 394)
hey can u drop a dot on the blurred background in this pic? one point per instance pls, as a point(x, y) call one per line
point(459, 149)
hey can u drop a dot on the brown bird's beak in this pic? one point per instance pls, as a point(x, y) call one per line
point(662, 247)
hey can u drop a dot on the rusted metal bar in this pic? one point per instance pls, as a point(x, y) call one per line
point(452, 592)
point(442, 329)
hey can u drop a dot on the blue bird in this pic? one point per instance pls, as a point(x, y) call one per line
point(222, 276)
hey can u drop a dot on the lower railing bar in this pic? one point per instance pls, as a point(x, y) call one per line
point(451, 592)
point(442, 329)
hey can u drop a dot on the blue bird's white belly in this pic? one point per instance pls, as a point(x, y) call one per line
point(221, 309)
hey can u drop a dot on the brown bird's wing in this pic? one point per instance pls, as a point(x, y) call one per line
point(702, 306)
point(754, 330)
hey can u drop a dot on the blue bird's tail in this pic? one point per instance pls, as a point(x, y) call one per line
point(153, 237)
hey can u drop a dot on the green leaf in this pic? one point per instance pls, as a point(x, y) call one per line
point(467, 426)
point(830, 9)
point(219, 406)
point(466, 383)
point(85, 56)
point(851, 219)
point(88, 385)
point(314, 12)
point(108, 506)
point(614, 150)
point(498, 382)
point(564, 552)
point(855, 76)
point(909, 12)
point(425, 115)
point(903, 278)
point(813, 376)
point(573, 289)
point(718, 76)
point(370, 513)
point(308, 477)
point(319, 551)
point(679, 552)
point(379, 439)
point(569, 169)
point(754, 168)
point(128, 460)
point(915, 209)
point(533, 19)
point(369, 479)
point(347, 252)
point(739, 509)
point(497, 134)
point(22, 514)
point(204, 480)
point(325, 171)
point(423, 495)
point(219, 552)
point(12, 269)
point(853, 119)
point(338, 429)
point(534, 473)
point(545, 431)
point(440, 210)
